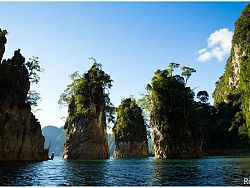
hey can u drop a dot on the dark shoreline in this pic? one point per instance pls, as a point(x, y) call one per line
point(227, 152)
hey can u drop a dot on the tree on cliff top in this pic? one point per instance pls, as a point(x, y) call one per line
point(3, 33)
point(172, 66)
point(187, 72)
point(34, 69)
point(146, 100)
point(90, 88)
point(130, 125)
point(203, 96)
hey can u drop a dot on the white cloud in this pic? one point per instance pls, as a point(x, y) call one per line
point(218, 45)
point(204, 56)
point(201, 51)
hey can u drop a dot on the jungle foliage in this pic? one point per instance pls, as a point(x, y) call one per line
point(87, 93)
point(34, 69)
point(130, 125)
point(218, 127)
point(172, 108)
point(3, 33)
point(237, 96)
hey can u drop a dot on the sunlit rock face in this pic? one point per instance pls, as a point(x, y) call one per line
point(86, 137)
point(131, 149)
point(20, 132)
point(164, 148)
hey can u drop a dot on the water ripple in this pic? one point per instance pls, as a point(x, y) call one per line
point(127, 172)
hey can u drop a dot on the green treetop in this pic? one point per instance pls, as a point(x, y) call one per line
point(34, 69)
point(3, 33)
point(88, 93)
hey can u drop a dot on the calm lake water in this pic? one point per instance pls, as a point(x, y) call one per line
point(124, 172)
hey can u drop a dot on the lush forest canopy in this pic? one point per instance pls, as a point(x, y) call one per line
point(88, 88)
point(130, 125)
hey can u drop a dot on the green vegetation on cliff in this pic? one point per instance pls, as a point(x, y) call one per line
point(217, 130)
point(233, 88)
point(34, 69)
point(89, 109)
point(3, 33)
point(87, 89)
point(130, 125)
point(173, 118)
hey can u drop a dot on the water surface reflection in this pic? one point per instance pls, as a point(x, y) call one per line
point(127, 172)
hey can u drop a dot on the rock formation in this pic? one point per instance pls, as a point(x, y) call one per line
point(3, 41)
point(20, 132)
point(234, 86)
point(130, 131)
point(86, 135)
point(175, 133)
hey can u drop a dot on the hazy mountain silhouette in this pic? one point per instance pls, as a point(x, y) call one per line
point(56, 136)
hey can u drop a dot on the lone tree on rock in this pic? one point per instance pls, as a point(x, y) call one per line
point(203, 96)
point(187, 72)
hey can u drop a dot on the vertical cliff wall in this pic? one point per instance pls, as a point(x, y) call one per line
point(86, 137)
point(234, 85)
point(86, 134)
point(20, 132)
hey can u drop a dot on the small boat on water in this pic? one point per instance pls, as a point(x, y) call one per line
point(52, 156)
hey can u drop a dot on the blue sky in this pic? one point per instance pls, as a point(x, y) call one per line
point(131, 40)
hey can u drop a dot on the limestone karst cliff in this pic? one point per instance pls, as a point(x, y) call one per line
point(130, 131)
point(89, 106)
point(234, 86)
point(20, 132)
point(173, 120)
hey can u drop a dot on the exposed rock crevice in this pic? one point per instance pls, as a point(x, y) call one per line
point(87, 138)
point(234, 79)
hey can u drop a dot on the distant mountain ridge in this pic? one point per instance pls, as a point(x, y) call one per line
point(56, 137)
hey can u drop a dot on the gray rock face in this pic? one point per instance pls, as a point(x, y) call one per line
point(3, 41)
point(20, 132)
point(86, 137)
point(165, 147)
point(131, 149)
